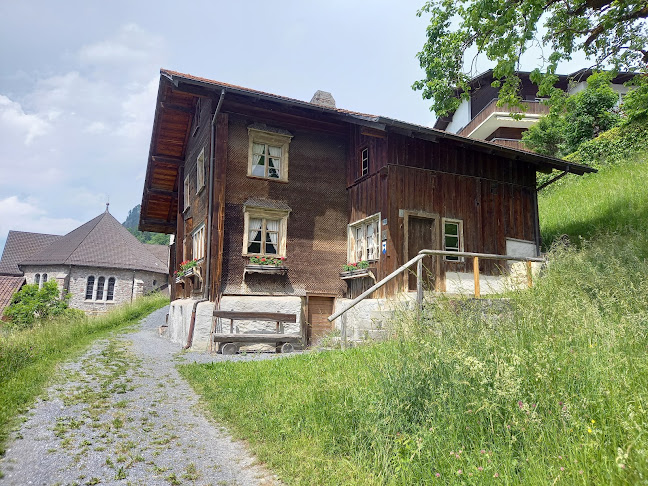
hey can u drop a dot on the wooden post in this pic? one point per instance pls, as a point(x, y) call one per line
point(476, 276)
point(419, 286)
point(529, 274)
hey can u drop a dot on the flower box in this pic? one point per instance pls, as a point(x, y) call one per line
point(266, 269)
point(359, 273)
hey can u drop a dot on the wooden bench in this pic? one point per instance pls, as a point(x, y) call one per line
point(230, 342)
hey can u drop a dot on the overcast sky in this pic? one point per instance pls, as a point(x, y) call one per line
point(79, 79)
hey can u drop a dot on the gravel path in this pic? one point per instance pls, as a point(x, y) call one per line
point(121, 414)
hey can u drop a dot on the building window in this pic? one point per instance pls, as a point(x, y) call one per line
point(363, 238)
point(90, 288)
point(365, 161)
point(198, 242)
point(268, 154)
point(196, 117)
point(43, 279)
point(110, 292)
point(100, 288)
point(37, 279)
point(200, 171)
point(265, 232)
point(187, 194)
point(452, 238)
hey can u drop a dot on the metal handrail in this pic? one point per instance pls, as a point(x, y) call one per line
point(418, 259)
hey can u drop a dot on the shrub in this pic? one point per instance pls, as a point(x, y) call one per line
point(32, 302)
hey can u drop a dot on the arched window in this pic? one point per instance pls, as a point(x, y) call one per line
point(90, 287)
point(43, 279)
point(100, 288)
point(110, 292)
point(37, 279)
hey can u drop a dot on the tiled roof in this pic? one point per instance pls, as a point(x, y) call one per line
point(101, 242)
point(21, 245)
point(161, 252)
point(8, 285)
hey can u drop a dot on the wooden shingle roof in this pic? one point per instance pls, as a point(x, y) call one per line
point(101, 242)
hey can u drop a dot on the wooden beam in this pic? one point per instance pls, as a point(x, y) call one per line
point(476, 276)
point(170, 106)
point(161, 159)
point(157, 222)
point(160, 192)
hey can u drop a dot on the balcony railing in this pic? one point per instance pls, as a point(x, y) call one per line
point(532, 108)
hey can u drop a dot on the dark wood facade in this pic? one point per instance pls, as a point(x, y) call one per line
point(415, 178)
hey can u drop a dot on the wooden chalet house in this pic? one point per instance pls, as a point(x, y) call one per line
point(237, 174)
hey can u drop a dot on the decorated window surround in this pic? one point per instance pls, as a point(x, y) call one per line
point(369, 247)
point(269, 139)
point(266, 214)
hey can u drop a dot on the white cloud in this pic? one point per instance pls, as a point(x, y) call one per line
point(14, 121)
point(28, 216)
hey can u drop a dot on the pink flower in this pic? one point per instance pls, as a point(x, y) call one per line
point(520, 404)
point(438, 475)
point(480, 468)
point(562, 468)
point(459, 471)
point(482, 451)
point(496, 475)
point(580, 472)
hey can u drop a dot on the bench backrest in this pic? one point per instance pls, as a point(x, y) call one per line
point(256, 316)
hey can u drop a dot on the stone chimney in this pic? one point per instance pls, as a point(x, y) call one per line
point(323, 98)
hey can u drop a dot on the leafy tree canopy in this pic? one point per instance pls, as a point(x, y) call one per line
point(611, 32)
point(575, 119)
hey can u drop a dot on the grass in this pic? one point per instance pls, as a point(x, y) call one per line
point(29, 358)
point(552, 391)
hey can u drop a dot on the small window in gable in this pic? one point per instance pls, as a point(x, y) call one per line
point(268, 154)
point(90, 288)
point(452, 238)
point(187, 194)
point(365, 161)
point(265, 232)
point(198, 242)
point(200, 171)
point(196, 117)
point(100, 288)
point(363, 238)
point(110, 292)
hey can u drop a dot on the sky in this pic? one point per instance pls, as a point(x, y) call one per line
point(79, 80)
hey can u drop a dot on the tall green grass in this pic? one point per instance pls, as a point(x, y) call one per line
point(552, 390)
point(613, 200)
point(29, 358)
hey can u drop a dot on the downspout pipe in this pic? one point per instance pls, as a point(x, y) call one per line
point(210, 217)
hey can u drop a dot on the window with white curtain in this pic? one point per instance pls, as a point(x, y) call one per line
point(265, 232)
point(363, 239)
point(268, 154)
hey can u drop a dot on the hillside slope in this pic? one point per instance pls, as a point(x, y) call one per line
point(551, 392)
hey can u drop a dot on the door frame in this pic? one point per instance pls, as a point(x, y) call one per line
point(407, 214)
point(308, 328)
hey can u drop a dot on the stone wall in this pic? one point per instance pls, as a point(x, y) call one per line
point(129, 284)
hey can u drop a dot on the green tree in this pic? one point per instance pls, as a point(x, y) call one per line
point(575, 119)
point(611, 32)
point(635, 103)
point(31, 303)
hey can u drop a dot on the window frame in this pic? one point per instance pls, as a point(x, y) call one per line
point(364, 170)
point(352, 239)
point(250, 212)
point(198, 242)
point(91, 287)
point(186, 194)
point(266, 138)
point(111, 291)
point(200, 171)
point(460, 239)
point(37, 279)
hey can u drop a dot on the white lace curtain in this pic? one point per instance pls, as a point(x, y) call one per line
point(272, 238)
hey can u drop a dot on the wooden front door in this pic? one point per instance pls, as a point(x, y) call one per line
point(319, 308)
point(421, 235)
